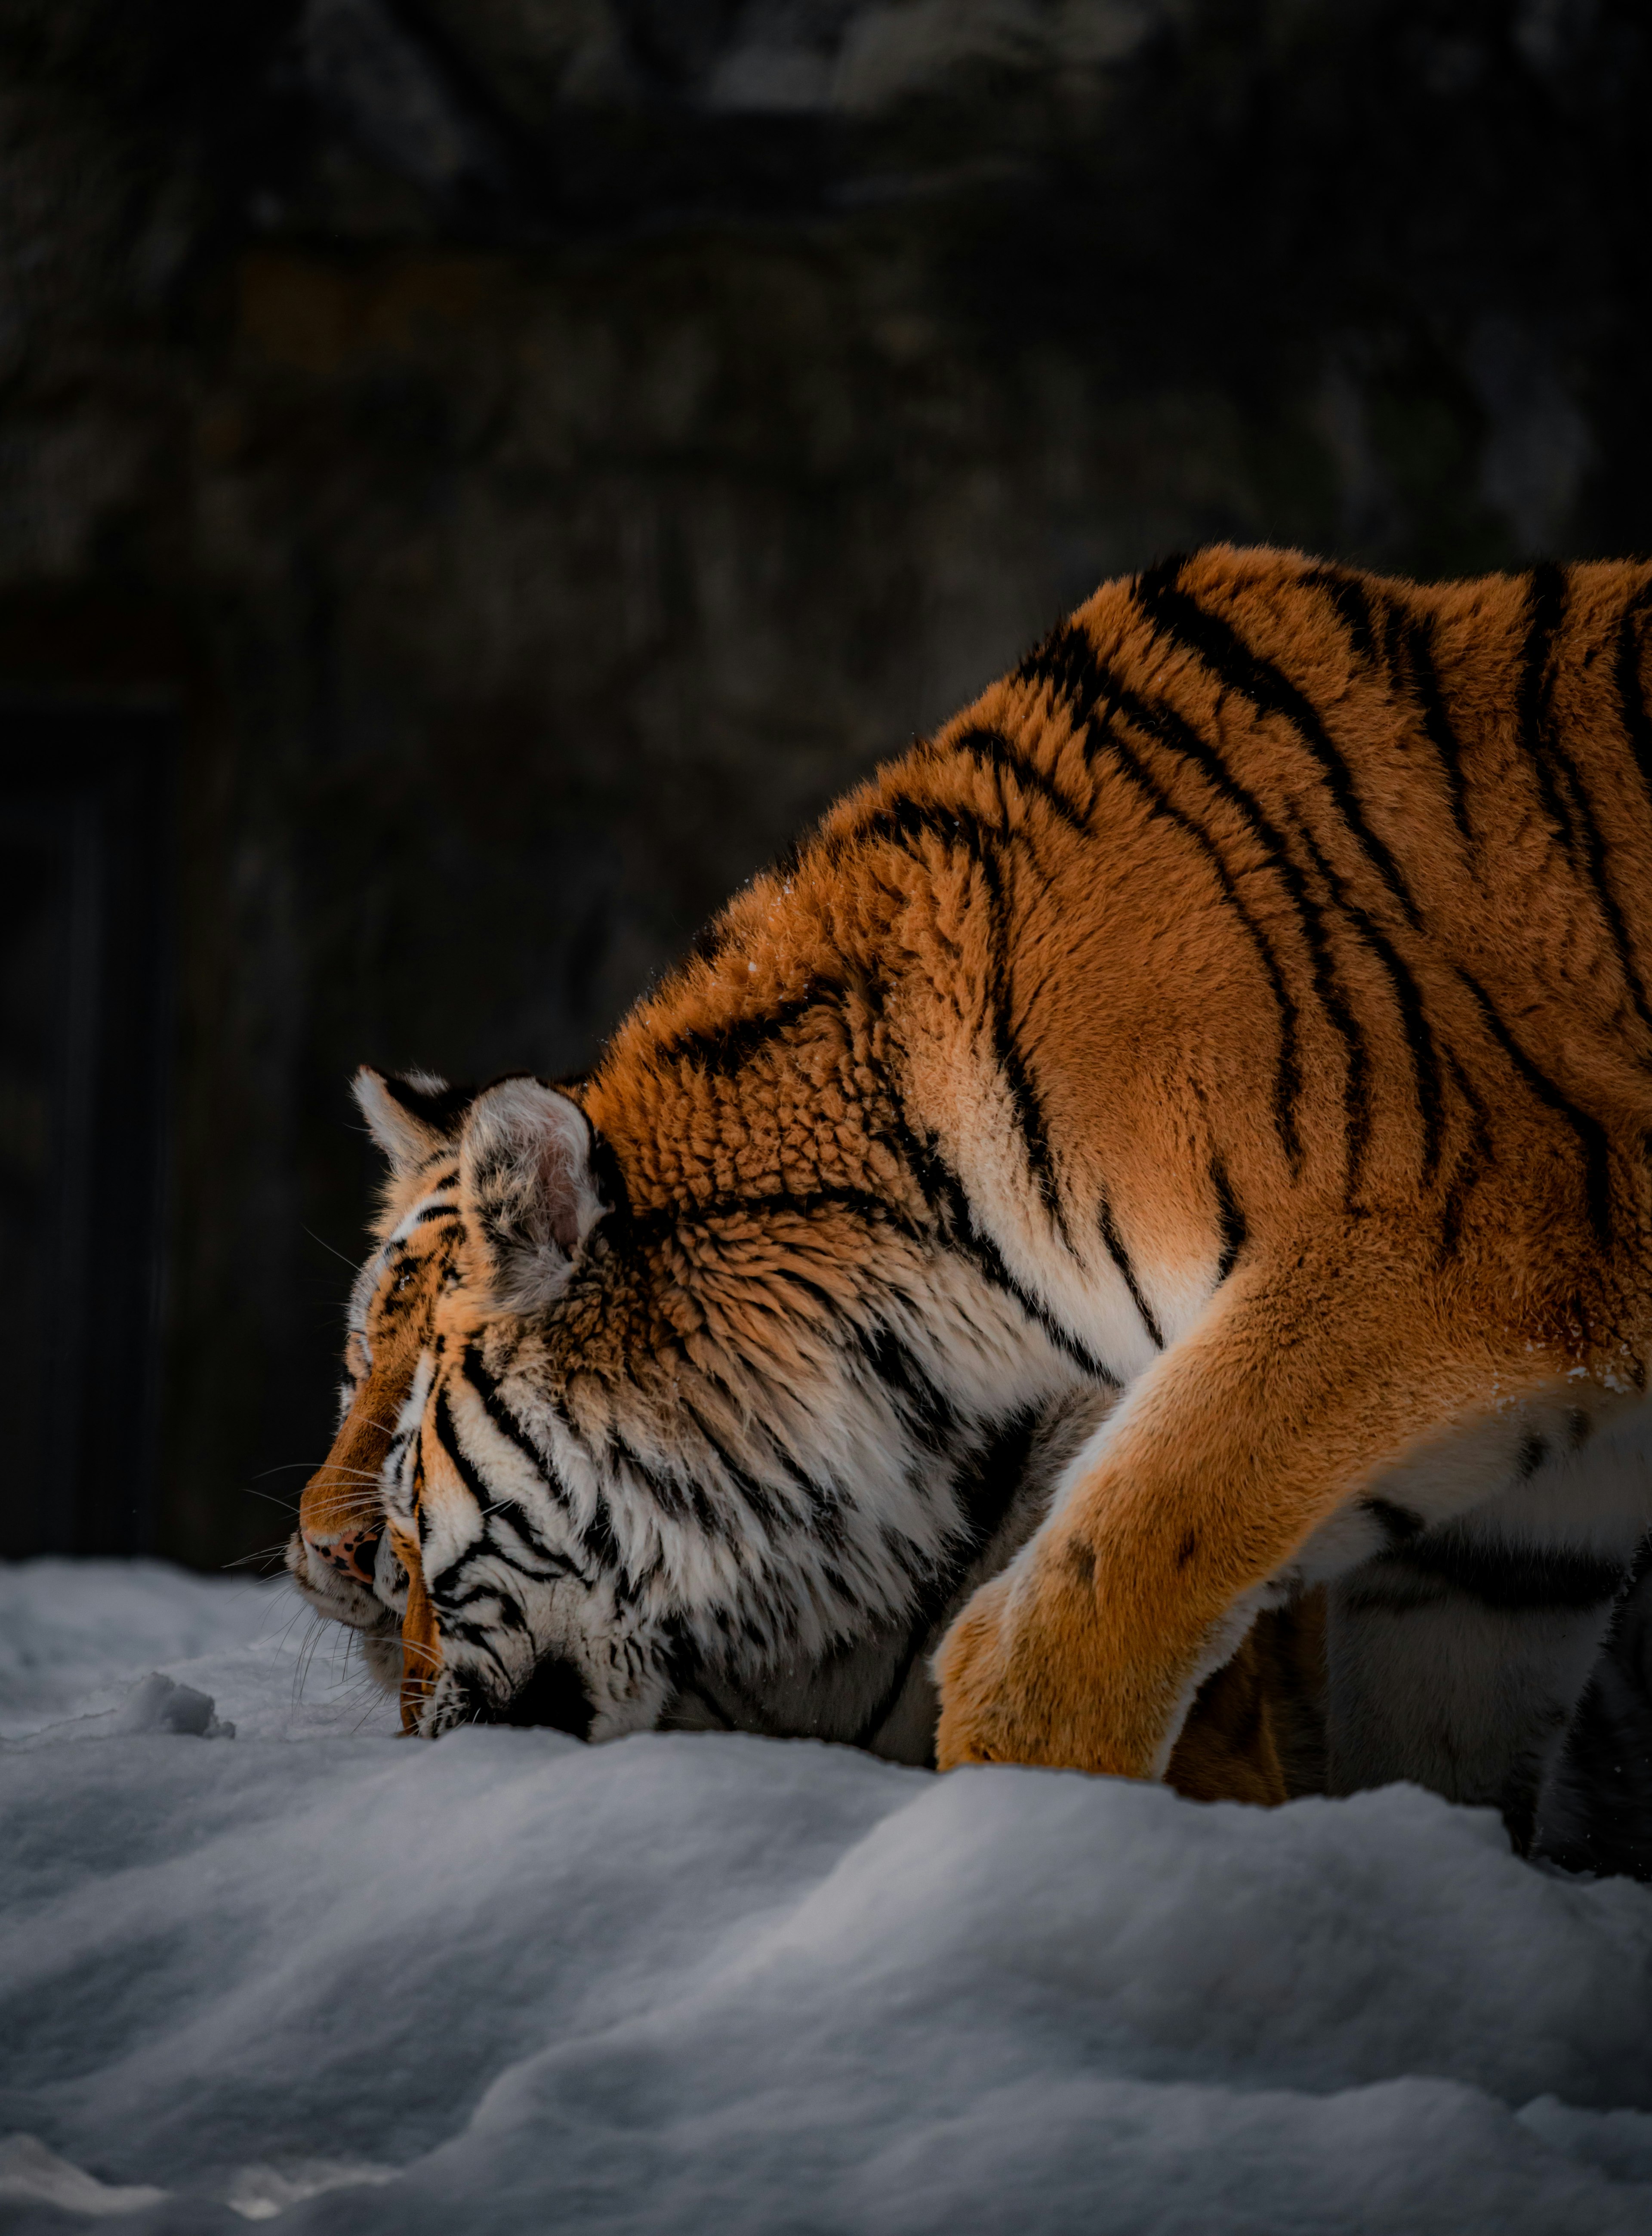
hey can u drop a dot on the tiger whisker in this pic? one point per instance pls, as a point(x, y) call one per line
point(286, 1505)
point(264, 1553)
point(339, 1254)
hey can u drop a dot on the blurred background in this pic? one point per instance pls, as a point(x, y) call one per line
point(476, 475)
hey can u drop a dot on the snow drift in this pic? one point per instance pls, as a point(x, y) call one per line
point(314, 1972)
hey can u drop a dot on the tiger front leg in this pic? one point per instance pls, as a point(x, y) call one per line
point(1309, 1379)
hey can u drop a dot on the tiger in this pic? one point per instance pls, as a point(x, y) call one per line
point(1236, 1021)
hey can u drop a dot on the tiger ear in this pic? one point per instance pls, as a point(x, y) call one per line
point(410, 1117)
point(528, 1190)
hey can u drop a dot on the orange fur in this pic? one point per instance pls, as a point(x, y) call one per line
point(341, 1513)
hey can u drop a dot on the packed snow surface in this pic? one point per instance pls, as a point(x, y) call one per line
point(261, 1959)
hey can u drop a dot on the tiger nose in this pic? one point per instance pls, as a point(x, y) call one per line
point(354, 1555)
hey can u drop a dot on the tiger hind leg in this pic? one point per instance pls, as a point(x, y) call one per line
point(1256, 1729)
point(1457, 1655)
point(1595, 1812)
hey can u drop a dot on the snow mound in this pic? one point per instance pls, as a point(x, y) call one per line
point(349, 1982)
point(74, 1635)
point(155, 1703)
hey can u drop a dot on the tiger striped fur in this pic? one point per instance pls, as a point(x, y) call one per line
point(1241, 1012)
point(358, 1558)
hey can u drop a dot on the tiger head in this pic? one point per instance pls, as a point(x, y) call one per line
point(349, 1558)
point(589, 1460)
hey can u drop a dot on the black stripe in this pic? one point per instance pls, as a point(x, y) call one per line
point(1230, 1220)
point(1514, 1579)
point(1408, 1000)
point(904, 820)
point(679, 1501)
point(1288, 1075)
point(502, 1614)
point(441, 1108)
point(1066, 663)
point(1170, 730)
point(1023, 1094)
point(825, 1506)
point(949, 1207)
point(994, 751)
point(1477, 1158)
point(1591, 1135)
point(670, 1496)
point(953, 1222)
point(1180, 618)
point(988, 1483)
point(665, 1221)
point(539, 1560)
point(757, 1499)
point(1419, 1041)
point(721, 1048)
point(1072, 661)
point(447, 1437)
point(1545, 606)
point(1399, 1524)
point(1121, 1258)
point(1466, 1171)
point(929, 1414)
point(1595, 854)
point(1348, 594)
point(486, 1498)
point(942, 1191)
point(479, 1379)
point(1631, 695)
point(1437, 722)
point(598, 1540)
point(449, 1601)
point(1560, 780)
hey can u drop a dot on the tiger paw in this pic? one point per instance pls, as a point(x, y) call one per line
point(972, 1668)
point(1024, 1679)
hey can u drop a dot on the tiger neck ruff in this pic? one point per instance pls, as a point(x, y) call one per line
point(1243, 1008)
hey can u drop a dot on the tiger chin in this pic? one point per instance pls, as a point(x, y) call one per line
point(1231, 1035)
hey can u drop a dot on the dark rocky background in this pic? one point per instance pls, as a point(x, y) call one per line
point(529, 455)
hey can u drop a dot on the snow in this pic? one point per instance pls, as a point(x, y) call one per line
point(319, 1975)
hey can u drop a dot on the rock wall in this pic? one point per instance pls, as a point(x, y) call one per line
point(545, 449)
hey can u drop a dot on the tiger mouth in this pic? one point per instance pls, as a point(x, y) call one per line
point(339, 1582)
point(553, 1698)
